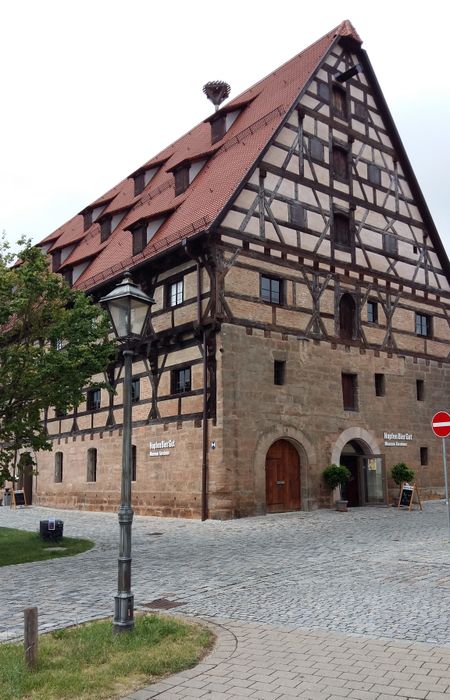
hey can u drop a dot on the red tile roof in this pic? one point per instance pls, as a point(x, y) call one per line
point(263, 107)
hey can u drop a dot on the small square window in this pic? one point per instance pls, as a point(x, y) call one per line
point(93, 399)
point(297, 214)
point(323, 91)
point(372, 312)
point(380, 388)
point(374, 174)
point(424, 456)
point(175, 293)
point(360, 111)
point(349, 392)
point(180, 380)
point(420, 390)
point(135, 389)
point(279, 368)
point(271, 289)
point(423, 325)
point(316, 148)
point(390, 243)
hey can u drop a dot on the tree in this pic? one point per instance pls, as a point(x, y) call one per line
point(53, 339)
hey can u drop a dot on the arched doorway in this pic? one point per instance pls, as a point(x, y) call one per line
point(367, 484)
point(282, 478)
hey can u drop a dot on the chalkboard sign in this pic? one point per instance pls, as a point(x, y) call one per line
point(407, 493)
point(19, 498)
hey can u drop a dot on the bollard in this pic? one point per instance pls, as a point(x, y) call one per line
point(30, 636)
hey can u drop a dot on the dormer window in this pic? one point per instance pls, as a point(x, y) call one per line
point(181, 179)
point(68, 276)
point(139, 238)
point(87, 219)
point(105, 229)
point(218, 128)
point(139, 183)
point(56, 260)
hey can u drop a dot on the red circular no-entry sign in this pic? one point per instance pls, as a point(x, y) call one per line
point(441, 424)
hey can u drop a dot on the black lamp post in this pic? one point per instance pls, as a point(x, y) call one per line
point(129, 309)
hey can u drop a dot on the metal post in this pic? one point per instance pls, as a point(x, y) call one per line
point(124, 600)
point(444, 455)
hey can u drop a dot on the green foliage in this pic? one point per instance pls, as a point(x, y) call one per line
point(401, 472)
point(92, 662)
point(19, 546)
point(53, 339)
point(336, 475)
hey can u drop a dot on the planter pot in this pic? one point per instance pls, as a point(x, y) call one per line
point(341, 506)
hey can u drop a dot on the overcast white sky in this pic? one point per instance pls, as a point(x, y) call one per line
point(90, 90)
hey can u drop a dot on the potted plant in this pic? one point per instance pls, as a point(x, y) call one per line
point(336, 475)
point(401, 473)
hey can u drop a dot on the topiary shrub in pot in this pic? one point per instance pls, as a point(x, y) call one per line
point(399, 473)
point(337, 475)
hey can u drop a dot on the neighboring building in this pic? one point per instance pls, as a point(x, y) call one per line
point(302, 306)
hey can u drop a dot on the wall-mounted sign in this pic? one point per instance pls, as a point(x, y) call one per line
point(161, 448)
point(397, 439)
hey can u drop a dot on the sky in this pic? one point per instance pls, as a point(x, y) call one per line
point(92, 89)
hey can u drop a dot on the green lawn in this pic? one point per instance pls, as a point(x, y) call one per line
point(91, 662)
point(19, 546)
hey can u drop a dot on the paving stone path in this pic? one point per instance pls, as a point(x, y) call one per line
point(345, 590)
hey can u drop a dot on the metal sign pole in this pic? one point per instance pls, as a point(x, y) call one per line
point(444, 454)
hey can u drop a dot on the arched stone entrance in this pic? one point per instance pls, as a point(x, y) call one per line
point(358, 451)
point(282, 478)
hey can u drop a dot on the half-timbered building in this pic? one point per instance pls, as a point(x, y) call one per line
point(301, 311)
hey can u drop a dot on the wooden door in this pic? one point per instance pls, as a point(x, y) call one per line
point(282, 478)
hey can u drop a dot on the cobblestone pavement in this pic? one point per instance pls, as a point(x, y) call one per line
point(324, 579)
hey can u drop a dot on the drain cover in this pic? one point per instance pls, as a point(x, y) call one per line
point(163, 604)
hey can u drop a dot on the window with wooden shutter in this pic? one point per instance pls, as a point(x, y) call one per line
point(339, 102)
point(347, 313)
point(181, 179)
point(349, 391)
point(341, 230)
point(91, 474)
point(360, 111)
point(58, 467)
point(340, 162)
point(374, 174)
point(390, 243)
point(323, 91)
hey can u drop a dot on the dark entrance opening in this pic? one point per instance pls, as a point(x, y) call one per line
point(367, 484)
point(282, 478)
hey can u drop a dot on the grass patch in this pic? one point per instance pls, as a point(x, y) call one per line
point(19, 546)
point(91, 662)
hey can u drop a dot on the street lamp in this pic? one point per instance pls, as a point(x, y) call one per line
point(129, 309)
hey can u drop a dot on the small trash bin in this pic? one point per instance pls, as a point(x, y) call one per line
point(51, 529)
point(7, 497)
